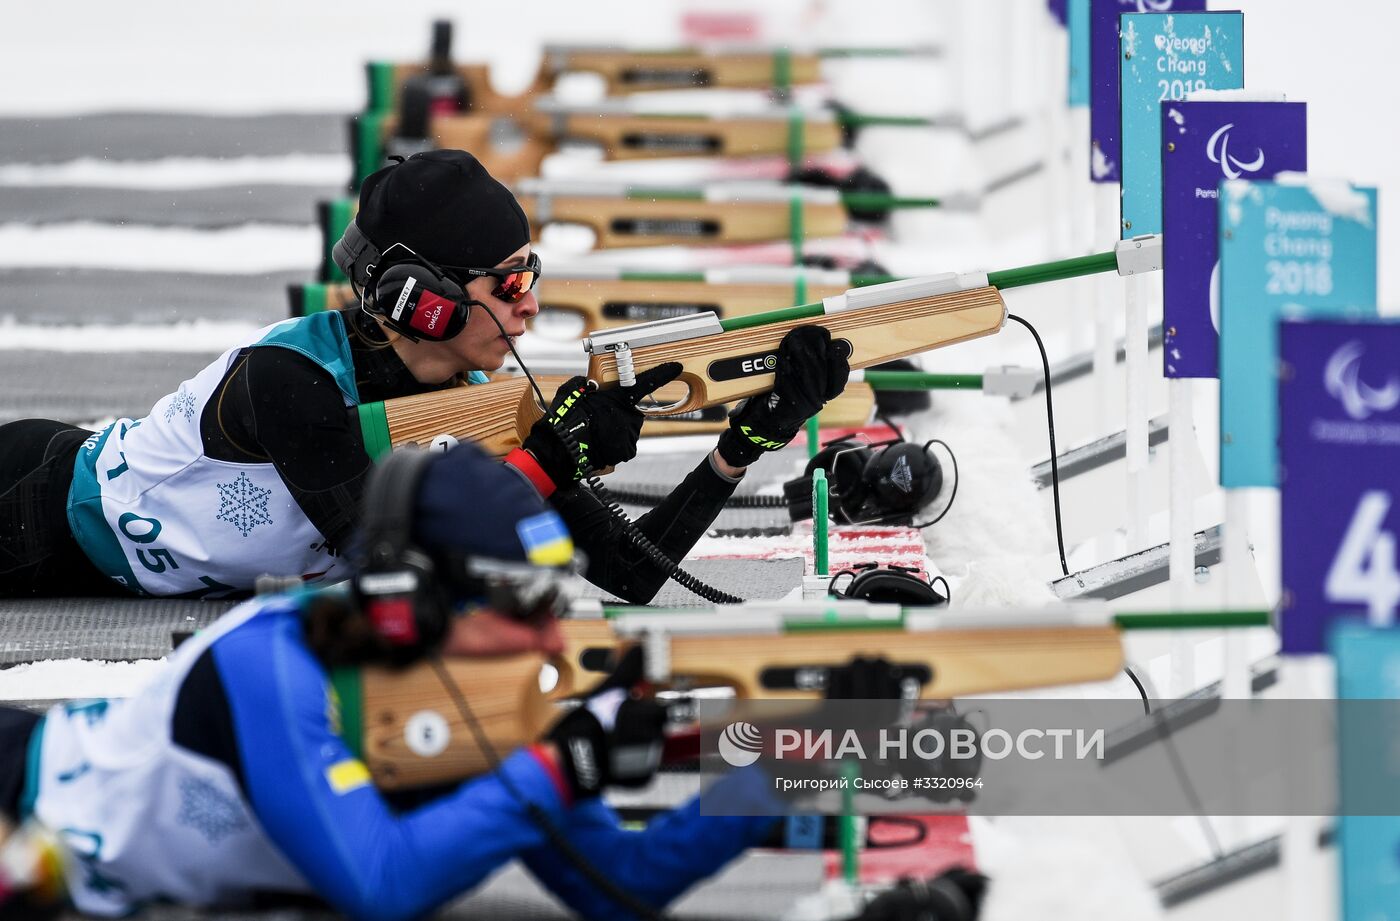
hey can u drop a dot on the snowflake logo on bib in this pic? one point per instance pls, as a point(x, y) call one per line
point(182, 404)
point(242, 504)
point(209, 810)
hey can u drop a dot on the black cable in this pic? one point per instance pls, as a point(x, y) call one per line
point(1050, 420)
point(648, 498)
point(957, 478)
point(1164, 732)
point(671, 567)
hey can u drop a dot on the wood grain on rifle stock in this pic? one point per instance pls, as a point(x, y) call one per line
point(514, 147)
point(618, 222)
point(639, 71)
point(505, 696)
point(496, 415)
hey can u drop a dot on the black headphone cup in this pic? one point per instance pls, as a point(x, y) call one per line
point(397, 585)
point(417, 301)
point(903, 477)
point(881, 585)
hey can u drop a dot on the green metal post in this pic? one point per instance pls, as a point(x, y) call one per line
point(796, 140)
point(850, 853)
point(820, 524)
point(796, 231)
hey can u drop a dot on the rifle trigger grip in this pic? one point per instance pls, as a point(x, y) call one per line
point(626, 371)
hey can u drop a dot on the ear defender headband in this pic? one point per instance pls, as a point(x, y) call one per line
point(410, 294)
point(889, 584)
point(397, 586)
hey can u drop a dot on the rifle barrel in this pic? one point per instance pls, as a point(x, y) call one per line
point(1007, 278)
point(920, 380)
point(1053, 271)
point(1191, 620)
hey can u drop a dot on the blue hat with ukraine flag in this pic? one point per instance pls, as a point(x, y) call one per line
point(477, 515)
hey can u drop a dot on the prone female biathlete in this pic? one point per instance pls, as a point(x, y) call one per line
point(254, 465)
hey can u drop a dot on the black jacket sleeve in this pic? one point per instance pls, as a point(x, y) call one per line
point(615, 563)
point(279, 406)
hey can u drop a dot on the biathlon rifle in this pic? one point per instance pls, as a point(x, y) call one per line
point(622, 215)
point(723, 361)
point(636, 71)
point(403, 725)
point(514, 147)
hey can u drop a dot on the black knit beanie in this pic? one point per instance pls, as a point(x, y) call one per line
point(443, 205)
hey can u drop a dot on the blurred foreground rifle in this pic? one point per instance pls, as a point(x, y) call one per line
point(403, 725)
point(726, 360)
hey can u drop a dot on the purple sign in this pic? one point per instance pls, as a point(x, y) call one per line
point(1204, 144)
point(1339, 403)
point(1105, 119)
point(1060, 10)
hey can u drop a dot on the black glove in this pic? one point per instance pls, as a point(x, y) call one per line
point(611, 738)
point(865, 679)
point(810, 372)
point(605, 424)
point(885, 688)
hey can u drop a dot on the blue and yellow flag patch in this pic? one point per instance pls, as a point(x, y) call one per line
point(347, 775)
point(545, 539)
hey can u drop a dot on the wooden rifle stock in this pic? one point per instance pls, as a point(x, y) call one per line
point(498, 415)
point(728, 365)
point(644, 220)
point(385, 712)
point(514, 147)
point(643, 71)
point(623, 71)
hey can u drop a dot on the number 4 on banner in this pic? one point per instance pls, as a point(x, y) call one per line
point(1351, 578)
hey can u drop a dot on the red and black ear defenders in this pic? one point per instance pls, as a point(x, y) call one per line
point(397, 585)
point(411, 295)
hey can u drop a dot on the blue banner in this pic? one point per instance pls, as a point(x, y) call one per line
point(1339, 441)
point(1368, 663)
point(1285, 251)
point(1104, 114)
point(1165, 56)
point(1078, 25)
point(1204, 143)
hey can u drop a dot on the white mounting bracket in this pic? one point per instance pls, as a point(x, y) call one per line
point(1137, 255)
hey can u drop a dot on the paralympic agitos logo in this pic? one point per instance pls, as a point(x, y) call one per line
point(1218, 151)
point(1343, 381)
